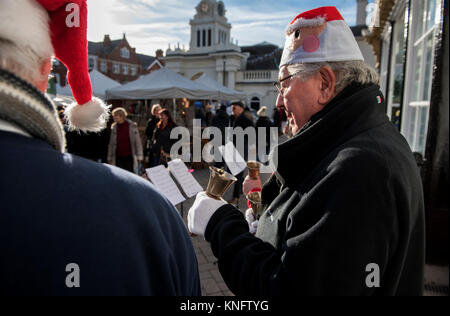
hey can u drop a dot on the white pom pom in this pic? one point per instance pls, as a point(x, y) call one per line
point(90, 117)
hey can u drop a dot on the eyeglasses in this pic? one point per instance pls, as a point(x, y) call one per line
point(277, 84)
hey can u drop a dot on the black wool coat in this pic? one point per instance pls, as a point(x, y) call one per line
point(346, 195)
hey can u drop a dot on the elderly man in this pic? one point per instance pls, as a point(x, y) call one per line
point(69, 226)
point(344, 211)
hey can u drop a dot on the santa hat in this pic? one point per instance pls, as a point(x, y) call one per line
point(319, 35)
point(59, 26)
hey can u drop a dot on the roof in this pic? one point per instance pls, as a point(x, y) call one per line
point(100, 50)
point(263, 56)
point(145, 60)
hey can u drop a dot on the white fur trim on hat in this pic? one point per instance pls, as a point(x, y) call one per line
point(26, 24)
point(304, 23)
point(89, 117)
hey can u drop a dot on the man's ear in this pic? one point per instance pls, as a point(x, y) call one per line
point(45, 69)
point(327, 85)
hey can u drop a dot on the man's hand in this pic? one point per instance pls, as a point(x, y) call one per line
point(201, 212)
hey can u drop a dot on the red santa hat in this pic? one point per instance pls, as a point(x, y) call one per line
point(59, 26)
point(319, 35)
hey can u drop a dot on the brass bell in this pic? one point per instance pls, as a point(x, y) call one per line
point(219, 182)
point(255, 202)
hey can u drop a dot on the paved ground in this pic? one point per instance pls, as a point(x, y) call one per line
point(436, 277)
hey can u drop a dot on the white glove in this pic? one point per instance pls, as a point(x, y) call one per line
point(249, 216)
point(251, 220)
point(201, 212)
point(253, 227)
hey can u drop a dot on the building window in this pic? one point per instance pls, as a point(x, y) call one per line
point(125, 69)
point(103, 66)
point(255, 103)
point(134, 71)
point(198, 38)
point(125, 53)
point(116, 68)
point(204, 38)
point(91, 63)
point(209, 37)
point(396, 76)
point(425, 19)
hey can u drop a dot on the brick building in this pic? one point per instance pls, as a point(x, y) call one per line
point(115, 59)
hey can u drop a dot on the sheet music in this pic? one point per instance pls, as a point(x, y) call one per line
point(160, 177)
point(186, 180)
point(233, 159)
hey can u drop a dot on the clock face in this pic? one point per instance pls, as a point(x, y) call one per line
point(204, 7)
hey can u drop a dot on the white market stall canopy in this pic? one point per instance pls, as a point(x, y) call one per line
point(162, 84)
point(223, 93)
point(100, 83)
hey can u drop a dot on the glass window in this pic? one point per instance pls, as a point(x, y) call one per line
point(125, 69)
point(396, 72)
point(134, 70)
point(91, 63)
point(103, 66)
point(425, 16)
point(116, 68)
point(125, 53)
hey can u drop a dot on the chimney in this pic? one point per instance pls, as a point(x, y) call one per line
point(107, 40)
point(159, 53)
point(361, 14)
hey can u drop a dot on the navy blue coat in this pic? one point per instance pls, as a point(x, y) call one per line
point(59, 209)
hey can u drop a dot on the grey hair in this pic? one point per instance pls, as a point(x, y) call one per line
point(155, 107)
point(22, 61)
point(346, 72)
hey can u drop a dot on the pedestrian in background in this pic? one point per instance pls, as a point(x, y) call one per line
point(263, 125)
point(221, 120)
point(240, 118)
point(162, 143)
point(151, 157)
point(125, 146)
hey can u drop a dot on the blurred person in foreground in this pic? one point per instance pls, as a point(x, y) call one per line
point(62, 214)
point(344, 209)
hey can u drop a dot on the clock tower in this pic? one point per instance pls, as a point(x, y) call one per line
point(211, 50)
point(210, 30)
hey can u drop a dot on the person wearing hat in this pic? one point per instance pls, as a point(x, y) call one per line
point(263, 124)
point(239, 118)
point(344, 209)
point(70, 226)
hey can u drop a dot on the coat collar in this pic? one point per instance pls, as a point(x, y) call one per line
point(354, 110)
point(24, 106)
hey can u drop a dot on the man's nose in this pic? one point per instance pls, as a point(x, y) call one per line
point(280, 102)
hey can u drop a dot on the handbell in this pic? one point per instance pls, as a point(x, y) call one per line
point(219, 182)
point(255, 202)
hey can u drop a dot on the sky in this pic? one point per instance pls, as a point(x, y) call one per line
point(155, 24)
